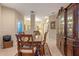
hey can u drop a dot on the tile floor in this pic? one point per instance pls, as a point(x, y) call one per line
point(8, 51)
point(53, 48)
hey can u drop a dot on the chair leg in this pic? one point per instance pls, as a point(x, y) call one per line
point(42, 51)
point(19, 54)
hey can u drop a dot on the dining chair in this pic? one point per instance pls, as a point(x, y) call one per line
point(36, 34)
point(25, 47)
point(40, 51)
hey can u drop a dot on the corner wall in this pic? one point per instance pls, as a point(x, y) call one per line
point(8, 22)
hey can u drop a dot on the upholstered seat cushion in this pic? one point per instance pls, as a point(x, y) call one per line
point(28, 50)
point(26, 46)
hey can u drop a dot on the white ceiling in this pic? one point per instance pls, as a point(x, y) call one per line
point(41, 9)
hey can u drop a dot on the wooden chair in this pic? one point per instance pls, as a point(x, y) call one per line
point(36, 33)
point(42, 50)
point(25, 48)
point(40, 46)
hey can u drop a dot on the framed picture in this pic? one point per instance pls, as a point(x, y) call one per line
point(52, 25)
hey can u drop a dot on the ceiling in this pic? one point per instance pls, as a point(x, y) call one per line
point(41, 9)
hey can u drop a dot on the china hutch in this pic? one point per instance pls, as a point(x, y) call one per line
point(73, 29)
point(61, 32)
point(68, 35)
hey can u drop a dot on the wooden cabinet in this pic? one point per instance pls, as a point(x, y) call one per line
point(7, 44)
point(70, 46)
point(68, 40)
point(61, 36)
point(72, 29)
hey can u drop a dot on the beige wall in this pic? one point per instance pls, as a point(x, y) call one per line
point(26, 24)
point(8, 22)
point(51, 32)
point(0, 25)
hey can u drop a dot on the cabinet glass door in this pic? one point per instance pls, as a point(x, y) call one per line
point(69, 23)
point(61, 24)
point(58, 27)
